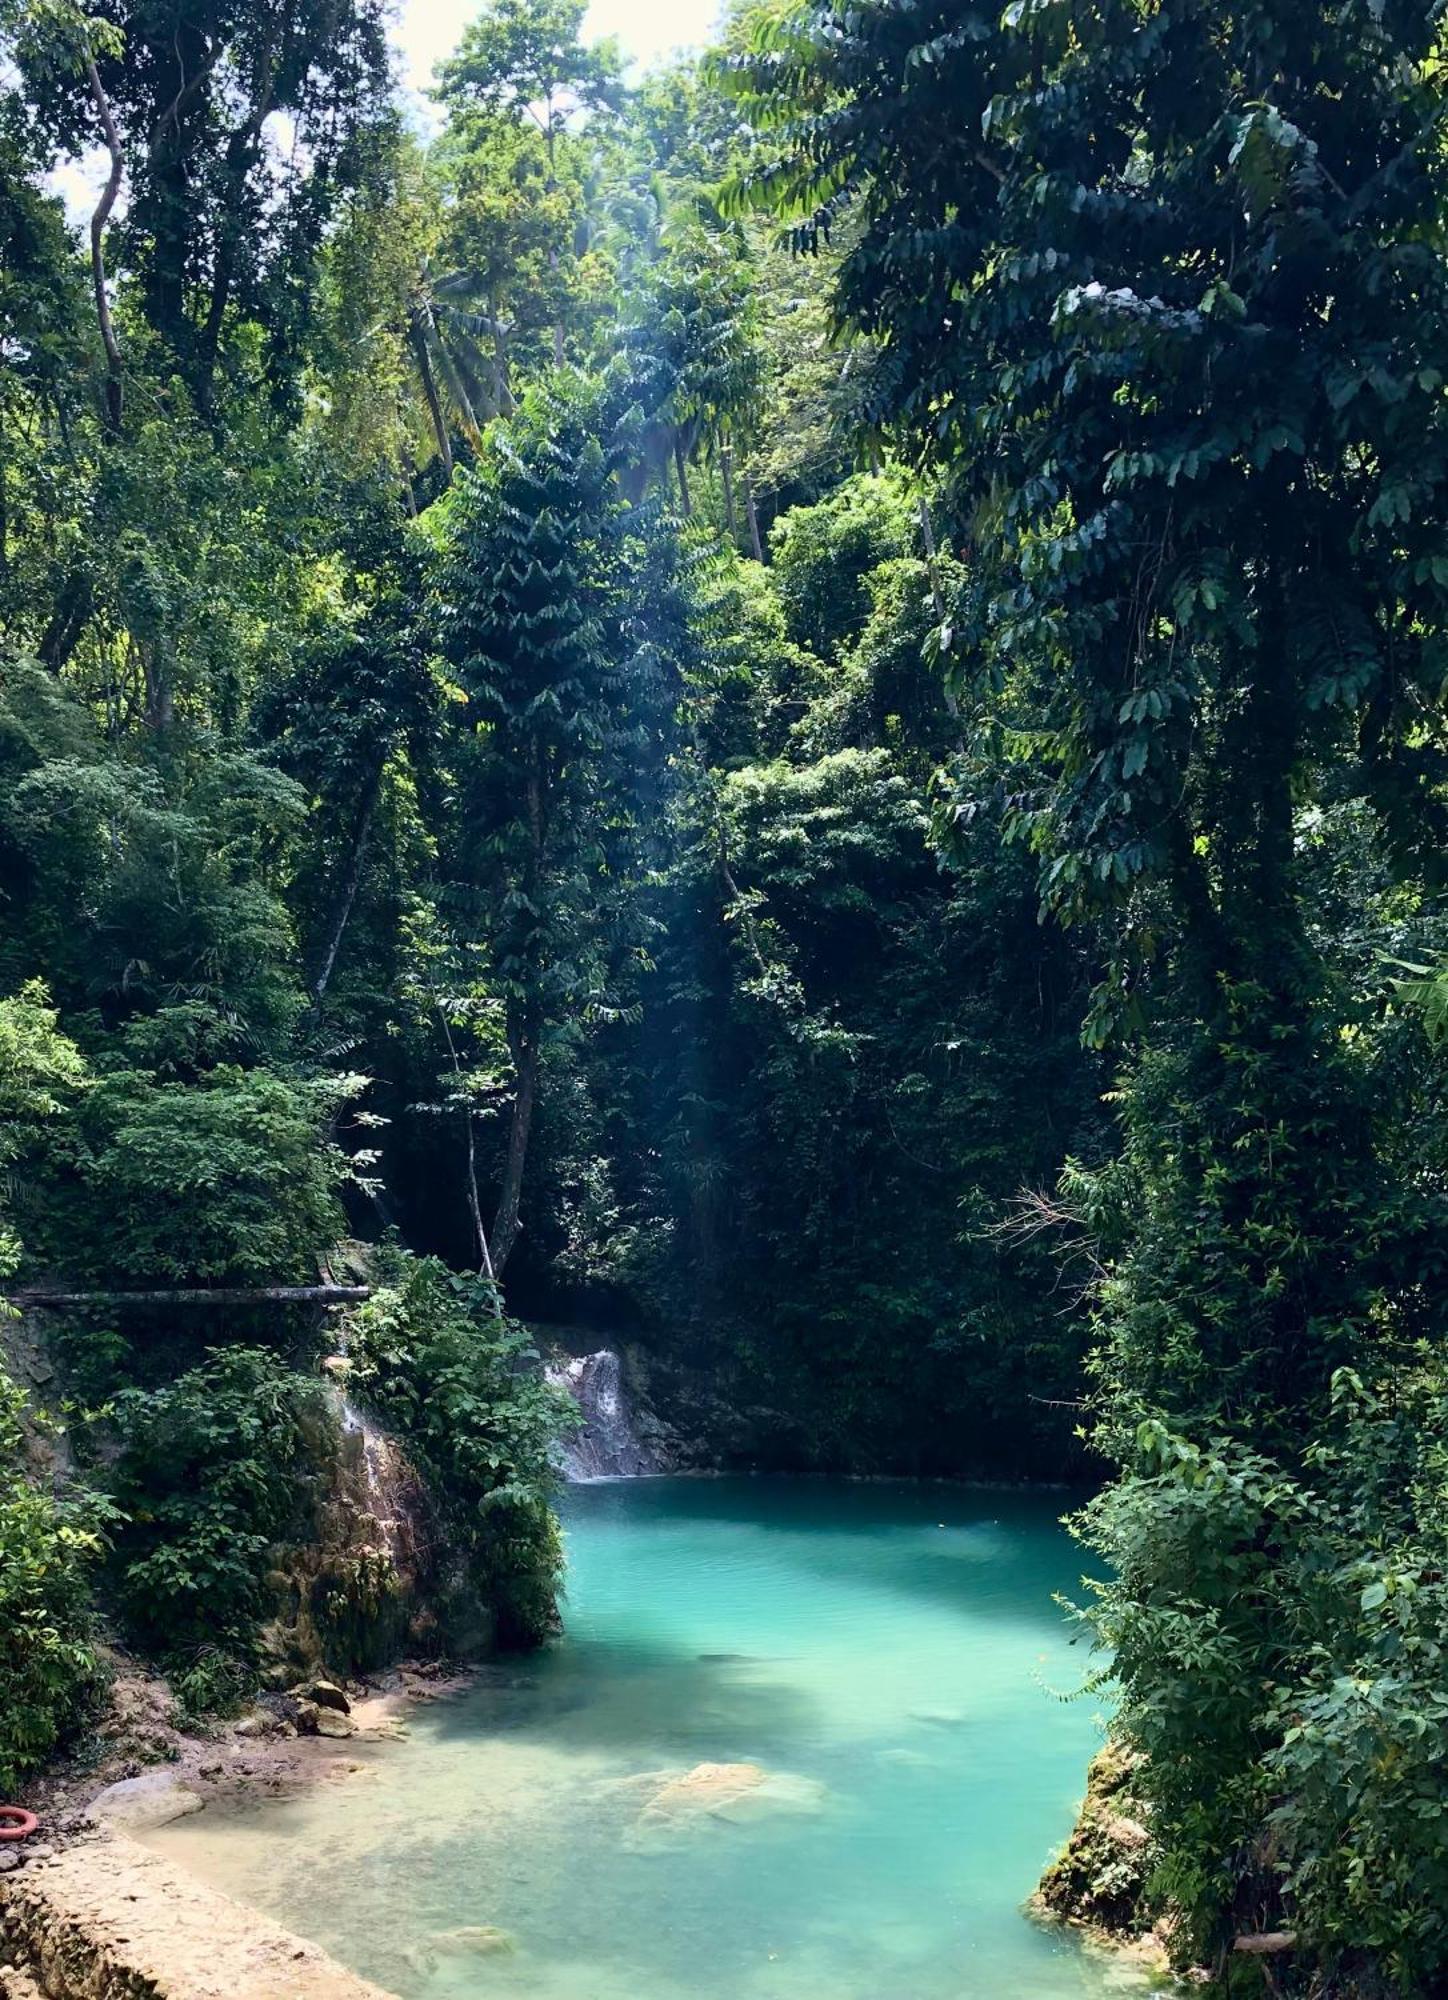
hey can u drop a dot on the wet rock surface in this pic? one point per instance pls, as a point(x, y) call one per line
point(608, 1444)
point(680, 1804)
point(473, 1941)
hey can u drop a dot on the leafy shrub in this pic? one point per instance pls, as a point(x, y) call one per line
point(210, 1475)
point(1280, 1636)
point(211, 1682)
point(230, 1179)
point(49, 1671)
point(823, 556)
point(48, 1665)
point(460, 1385)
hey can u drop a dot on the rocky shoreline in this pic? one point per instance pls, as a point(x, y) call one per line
point(87, 1912)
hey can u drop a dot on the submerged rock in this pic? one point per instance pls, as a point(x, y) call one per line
point(472, 1940)
point(680, 1802)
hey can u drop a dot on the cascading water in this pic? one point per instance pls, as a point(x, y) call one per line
point(607, 1446)
point(388, 1493)
point(347, 1590)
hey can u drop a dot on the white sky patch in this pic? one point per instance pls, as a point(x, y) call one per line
point(423, 33)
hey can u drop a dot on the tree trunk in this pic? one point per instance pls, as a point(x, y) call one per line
point(196, 1295)
point(525, 1029)
point(927, 535)
point(99, 219)
point(475, 1206)
point(755, 544)
point(523, 1042)
point(937, 595)
point(417, 340)
point(502, 389)
point(160, 695)
point(346, 893)
point(66, 623)
point(726, 473)
point(681, 464)
point(241, 152)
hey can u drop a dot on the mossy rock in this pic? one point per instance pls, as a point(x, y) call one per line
point(1099, 1878)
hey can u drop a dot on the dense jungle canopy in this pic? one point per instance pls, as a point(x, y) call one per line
point(793, 707)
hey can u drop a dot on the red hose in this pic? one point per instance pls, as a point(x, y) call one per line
point(16, 1823)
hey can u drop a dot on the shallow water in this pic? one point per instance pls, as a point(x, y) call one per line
point(894, 1649)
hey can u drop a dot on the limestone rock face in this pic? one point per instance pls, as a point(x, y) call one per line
point(18, 1985)
point(607, 1444)
point(371, 1576)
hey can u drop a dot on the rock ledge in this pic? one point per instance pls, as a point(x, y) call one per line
point(107, 1920)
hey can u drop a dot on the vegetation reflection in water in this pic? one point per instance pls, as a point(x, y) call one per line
point(894, 1649)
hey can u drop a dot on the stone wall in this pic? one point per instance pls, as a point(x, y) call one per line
point(106, 1919)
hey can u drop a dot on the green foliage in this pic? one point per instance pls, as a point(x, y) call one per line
point(383, 691)
point(1104, 251)
point(41, 1075)
point(49, 1544)
point(824, 555)
point(524, 58)
point(530, 584)
point(459, 1384)
point(836, 1081)
point(190, 96)
point(1278, 1637)
point(226, 1181)
point(49, 1669)
point(1242, 1539)
point(211, 1473)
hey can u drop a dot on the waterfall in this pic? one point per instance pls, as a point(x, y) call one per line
point(384, 1485)
point(607, 1446)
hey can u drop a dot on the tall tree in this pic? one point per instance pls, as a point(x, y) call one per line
point(523, 59)
point(1162, 290)
point(522, 63)
point(221, 220)
point(528, 619)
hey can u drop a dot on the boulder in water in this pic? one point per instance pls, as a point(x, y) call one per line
point(153, 1799)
